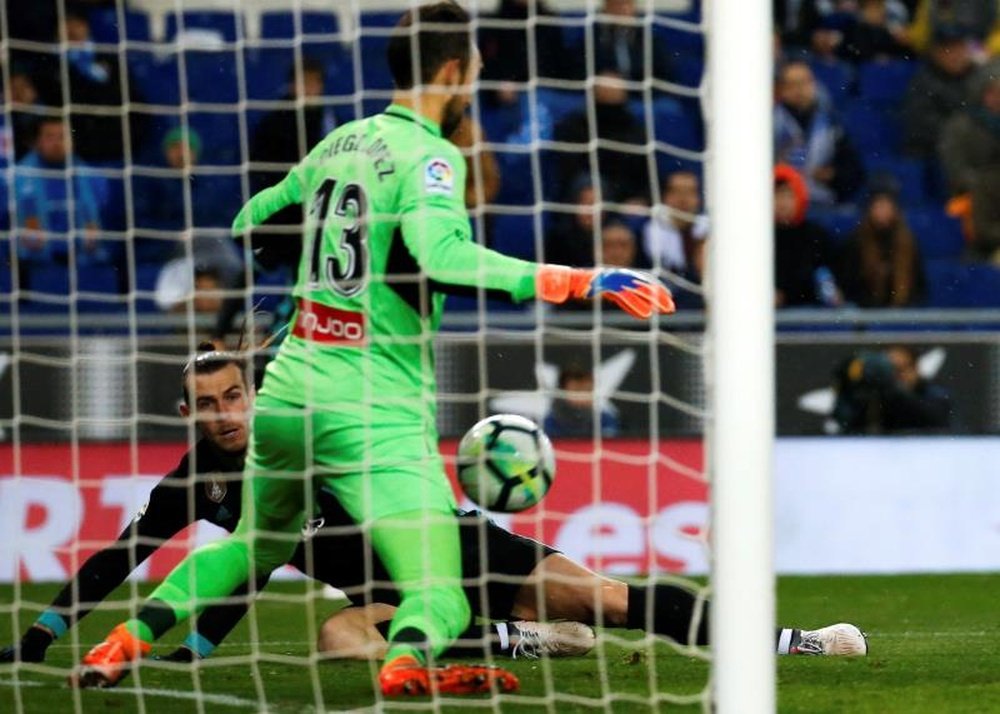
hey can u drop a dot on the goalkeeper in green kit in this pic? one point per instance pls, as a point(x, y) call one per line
point(349, 402)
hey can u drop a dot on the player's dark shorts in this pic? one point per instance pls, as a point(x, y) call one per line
point(339, 559)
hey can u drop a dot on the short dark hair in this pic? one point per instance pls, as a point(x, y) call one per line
point(208, 360)
point(432, 44)
point(574, 371)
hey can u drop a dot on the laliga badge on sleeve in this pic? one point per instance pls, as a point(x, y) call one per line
point(439, 177)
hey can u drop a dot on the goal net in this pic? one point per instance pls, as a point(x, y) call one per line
point(133, 132)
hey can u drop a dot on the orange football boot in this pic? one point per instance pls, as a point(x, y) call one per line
point(406, 676)
point(108, 663)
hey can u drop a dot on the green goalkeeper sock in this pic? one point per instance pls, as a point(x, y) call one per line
point(213, 571)
point(421, 552)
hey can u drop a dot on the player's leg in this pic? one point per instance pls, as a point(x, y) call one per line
point(560, 588)
point(268, 531)
point(405, 497)
point(360, 633)
point(356, 632)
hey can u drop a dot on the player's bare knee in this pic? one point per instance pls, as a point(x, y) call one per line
point(344, 635)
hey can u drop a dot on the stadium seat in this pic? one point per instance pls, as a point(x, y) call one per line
point(103, 280)
point(514, 235)
point(225, 24)
point(952, 283)
point(837, 78)
point(216, 199)
point(561, 103)
point(146, 275)
point(938, 234)
point(840, 223)
point(946, 280)
point(211, 76)
point(267, 71)
point(280, 25)
point(374, 69)
point(874, 130)
point(105, 29)
point(48, 279)
point(678, 124)
point(885, 83)
point(220, 137)
point(983, 285)
point(675, 39)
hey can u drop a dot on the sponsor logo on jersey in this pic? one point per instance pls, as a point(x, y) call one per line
point(439, 177)
point(215, 489)
point(322, 323)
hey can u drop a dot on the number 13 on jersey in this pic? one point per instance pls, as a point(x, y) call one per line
point(343, 267)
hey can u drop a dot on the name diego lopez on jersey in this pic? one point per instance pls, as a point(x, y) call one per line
point(377, 151)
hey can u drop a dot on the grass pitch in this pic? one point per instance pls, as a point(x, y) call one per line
point(932, 641)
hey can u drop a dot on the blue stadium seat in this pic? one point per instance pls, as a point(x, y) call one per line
point(574, 32)
point(216, 199)
point(837, 78)
point(211, 77)
point(105, 29)
point(281, 24)
point(48, 279)
point(267, 71)
point(379, 19)
point(374, 67)
point(226, 24)
point(840, 223)
point(561, 103)
point(983, 289)
point(514, 235)
point(220, 137)
point(938, 234)
point(145, 281)
point(952, 283)
point(676, 40)
point(874, 131)
point(678, 124)
point(946, 283)
point(156, 77)
point(885, 83)
point(6, 279)
point(104, 281)
point(687, 70)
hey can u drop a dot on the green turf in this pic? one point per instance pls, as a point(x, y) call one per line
point(932, 650)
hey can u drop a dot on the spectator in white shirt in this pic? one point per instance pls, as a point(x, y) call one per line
point(674, 238)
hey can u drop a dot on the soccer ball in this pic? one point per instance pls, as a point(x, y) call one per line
point(506, 463)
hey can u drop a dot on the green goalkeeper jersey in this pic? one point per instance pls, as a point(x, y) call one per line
point(386, 229)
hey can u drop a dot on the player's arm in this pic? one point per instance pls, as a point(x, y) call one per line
point(435, 228)
point(266, 203)
point(165, 514)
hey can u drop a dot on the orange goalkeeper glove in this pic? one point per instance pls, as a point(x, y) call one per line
point(637, 293)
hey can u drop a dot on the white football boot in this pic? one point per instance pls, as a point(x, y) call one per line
point(555, 639)
point(840, 640)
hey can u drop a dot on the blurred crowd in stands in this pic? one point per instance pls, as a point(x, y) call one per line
point(129, 150)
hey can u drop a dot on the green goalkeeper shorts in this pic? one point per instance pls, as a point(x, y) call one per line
point(376, 471)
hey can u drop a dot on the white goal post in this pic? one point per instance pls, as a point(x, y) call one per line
point(741, 354)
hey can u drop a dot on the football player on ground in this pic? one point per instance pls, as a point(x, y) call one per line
point(349, 402)
point(520, 576)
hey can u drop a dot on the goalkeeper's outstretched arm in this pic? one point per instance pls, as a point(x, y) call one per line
point(435, 229)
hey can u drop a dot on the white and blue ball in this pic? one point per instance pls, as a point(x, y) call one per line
point(506, 463)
